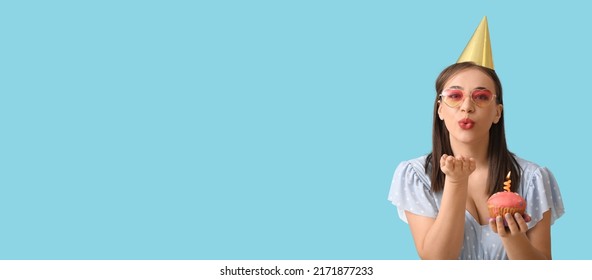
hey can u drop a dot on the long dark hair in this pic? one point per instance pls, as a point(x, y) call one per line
point(501, 160)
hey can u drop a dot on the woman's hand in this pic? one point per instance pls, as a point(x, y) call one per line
point(457, 169)
point(509, 226)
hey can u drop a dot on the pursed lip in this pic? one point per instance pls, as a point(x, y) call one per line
point(466, 123)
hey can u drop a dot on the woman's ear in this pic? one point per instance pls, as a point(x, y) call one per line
point(498, 113)
point(440, 110)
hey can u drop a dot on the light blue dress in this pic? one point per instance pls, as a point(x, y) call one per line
point(410, 191)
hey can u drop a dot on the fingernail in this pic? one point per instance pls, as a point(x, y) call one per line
point(527, 218)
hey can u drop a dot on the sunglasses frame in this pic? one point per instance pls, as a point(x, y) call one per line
point(442, 98)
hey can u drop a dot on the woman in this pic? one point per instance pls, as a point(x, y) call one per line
point(443, 195)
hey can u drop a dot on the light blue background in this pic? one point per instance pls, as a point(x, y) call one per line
point(261, 129)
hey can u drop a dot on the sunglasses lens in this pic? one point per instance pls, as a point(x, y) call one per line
point(452, 98)
point(482, 97)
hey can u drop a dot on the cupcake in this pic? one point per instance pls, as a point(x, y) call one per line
point(506, 201)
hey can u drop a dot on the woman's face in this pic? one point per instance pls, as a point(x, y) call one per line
point(471, 116)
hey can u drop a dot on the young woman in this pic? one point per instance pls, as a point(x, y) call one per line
point(443, 195)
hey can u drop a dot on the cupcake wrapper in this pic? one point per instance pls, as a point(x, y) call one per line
point(502, 211)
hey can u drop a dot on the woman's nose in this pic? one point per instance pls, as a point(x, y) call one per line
point(467, 105)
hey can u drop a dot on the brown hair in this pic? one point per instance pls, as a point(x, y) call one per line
point(501, 160)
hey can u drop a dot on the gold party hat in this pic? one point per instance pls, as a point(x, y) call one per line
point(478, 50)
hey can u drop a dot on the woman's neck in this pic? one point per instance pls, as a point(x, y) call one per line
point(476, 151)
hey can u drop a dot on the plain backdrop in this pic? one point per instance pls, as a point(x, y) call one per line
point(261, 129)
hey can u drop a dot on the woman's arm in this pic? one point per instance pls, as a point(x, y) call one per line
point(520, 242)
point(442, 237)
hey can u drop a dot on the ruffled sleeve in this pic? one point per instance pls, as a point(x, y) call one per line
point(541, 194)
point(410, 191)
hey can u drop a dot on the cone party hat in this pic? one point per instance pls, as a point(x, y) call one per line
point(478, 50)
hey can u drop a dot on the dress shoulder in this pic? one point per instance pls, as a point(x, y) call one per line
point(541, 192)
point(410, 190)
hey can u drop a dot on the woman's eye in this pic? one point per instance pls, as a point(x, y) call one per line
point(482, 96)
point(455, 96)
